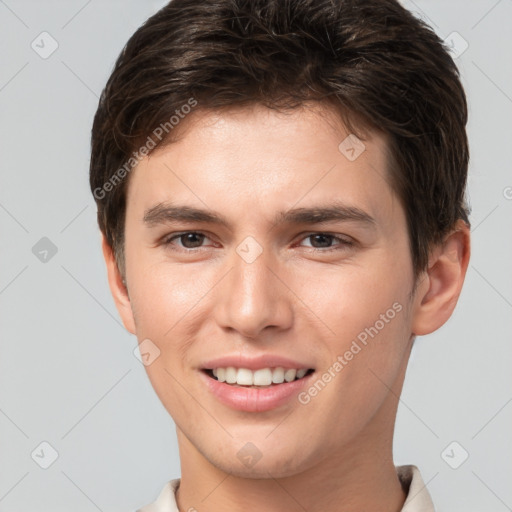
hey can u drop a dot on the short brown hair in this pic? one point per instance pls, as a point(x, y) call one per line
point(371, 58)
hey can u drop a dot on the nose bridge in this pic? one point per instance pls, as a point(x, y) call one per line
point(251, 276)
point(251, 297)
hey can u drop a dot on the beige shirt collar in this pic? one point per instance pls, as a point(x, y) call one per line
point(418, 498)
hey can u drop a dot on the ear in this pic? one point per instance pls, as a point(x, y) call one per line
point(440, 286)
point(117, 287)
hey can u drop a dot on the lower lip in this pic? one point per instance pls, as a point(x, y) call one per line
point(253, 399)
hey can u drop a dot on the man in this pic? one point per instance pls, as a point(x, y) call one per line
point(280, 189)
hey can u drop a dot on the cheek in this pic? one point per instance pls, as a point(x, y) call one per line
point(164, 294)
point(366, 313)
point(163, 303)
point(365, 359)
point(349, 300)
point(168, 304)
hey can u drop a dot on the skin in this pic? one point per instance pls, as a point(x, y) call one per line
point(335, 452)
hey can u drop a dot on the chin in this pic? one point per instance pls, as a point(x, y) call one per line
point(248, 463)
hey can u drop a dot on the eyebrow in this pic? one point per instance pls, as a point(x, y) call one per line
point(166, 212)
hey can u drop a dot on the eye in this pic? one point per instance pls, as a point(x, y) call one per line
point(322, 242)
point(189, 240)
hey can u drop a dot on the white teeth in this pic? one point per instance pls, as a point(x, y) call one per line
point(301, 373)
point(290, 375)
point(261, 377)
point(244, 377)
point(231, 375)
point(278, 375)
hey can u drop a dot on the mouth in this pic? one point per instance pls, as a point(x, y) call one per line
point(258, 379)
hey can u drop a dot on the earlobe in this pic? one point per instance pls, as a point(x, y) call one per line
point(439, 292)
point(118, 287)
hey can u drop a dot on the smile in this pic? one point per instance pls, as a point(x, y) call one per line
point(263, 377)
point(259, 390)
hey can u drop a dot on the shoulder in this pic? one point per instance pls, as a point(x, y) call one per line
point(166, 501)
point(418, 498)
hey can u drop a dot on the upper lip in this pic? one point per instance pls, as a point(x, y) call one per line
point(254, 363)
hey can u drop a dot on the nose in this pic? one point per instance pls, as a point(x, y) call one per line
point(253, 297)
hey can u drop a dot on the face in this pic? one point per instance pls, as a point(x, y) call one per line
point(297, 259)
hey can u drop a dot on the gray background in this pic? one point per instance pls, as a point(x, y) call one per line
point(68, 375)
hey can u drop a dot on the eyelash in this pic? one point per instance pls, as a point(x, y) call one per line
point(343, 242)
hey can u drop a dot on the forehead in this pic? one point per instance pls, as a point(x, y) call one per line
point(265, 161)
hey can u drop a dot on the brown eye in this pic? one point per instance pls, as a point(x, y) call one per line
point(191, 240)
point(325, 241)
point(188, 240)
point(321, 240)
